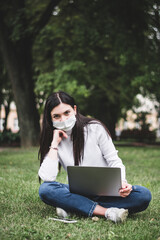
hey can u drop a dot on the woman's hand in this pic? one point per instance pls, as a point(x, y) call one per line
point(125, 190)
point(57, 137)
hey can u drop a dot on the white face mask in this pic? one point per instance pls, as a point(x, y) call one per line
point(66, 125)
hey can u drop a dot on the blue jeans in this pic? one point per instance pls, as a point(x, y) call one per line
point(58, 195)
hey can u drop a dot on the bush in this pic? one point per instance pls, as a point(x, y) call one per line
point(139, 135)
point(9, 138)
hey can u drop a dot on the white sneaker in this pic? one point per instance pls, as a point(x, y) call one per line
point(116, 214)
point(61, 213)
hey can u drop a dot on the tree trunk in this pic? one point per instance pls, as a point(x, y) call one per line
point(18, 61)
point(17, 54)
point(108, 116)
point(7, 108)
point(101, 108)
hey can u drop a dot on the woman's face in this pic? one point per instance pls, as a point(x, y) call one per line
point(62, 112)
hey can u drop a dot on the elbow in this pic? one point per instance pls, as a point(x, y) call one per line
point(46, 178)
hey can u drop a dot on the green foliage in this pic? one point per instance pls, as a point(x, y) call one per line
point(101, 52)
point(21, 18)
point(7, 138)
point(66, 77)
point(98, 48)
point(148, 80)
point(149, 83)
point(142, 120)
point(143, 135)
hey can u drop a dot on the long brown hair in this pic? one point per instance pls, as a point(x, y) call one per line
point(77, 133)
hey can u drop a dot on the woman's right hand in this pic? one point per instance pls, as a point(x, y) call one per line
point(57, 137)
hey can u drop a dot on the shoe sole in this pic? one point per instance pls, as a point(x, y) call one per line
point(123, 215)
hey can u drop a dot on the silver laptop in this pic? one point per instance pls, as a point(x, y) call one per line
point(94, 181)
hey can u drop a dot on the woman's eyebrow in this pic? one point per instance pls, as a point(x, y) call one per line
point(55, 114)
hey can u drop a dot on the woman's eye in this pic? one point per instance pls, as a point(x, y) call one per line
point(67, 112)
point(56, 116)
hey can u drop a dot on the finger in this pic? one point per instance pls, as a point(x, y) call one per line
point(63, 134)
point(124, 190)
point(127, 192)
point(60, 133)
point(124, 194)
point(124, 185)
point(128, 187)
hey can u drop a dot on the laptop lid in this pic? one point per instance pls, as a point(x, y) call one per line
point(92, 181)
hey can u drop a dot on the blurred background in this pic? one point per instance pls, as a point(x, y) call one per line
point(106, 54)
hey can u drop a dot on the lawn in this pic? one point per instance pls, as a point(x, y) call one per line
point(24, 216)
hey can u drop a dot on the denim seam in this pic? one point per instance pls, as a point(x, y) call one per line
point(92, 209)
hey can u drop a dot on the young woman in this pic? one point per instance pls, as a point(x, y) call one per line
point(70, 138)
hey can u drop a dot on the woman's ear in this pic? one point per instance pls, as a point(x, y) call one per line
point(75, 109)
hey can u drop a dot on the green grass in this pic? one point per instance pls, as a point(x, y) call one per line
point(24, 216)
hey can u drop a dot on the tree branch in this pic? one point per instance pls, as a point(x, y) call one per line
point(45, 17)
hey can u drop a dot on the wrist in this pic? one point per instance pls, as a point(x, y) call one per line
point(54, 148)
point(53, 144)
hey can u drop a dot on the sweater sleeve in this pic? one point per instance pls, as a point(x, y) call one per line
point(48, 170)
point(108, 150)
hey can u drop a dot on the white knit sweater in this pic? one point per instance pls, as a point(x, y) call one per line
point(99, 151)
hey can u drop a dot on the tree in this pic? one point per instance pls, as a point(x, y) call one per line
point(104, 40)
point(98, 51)
point(148, 80)
point(20, 23)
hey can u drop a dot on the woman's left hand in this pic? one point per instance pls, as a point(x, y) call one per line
point(125, 190)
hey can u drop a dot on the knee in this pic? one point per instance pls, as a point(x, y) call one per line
point(144, 197)
point(43, 190)
point(148, 196)
point(50, 190)
point(46, 189)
